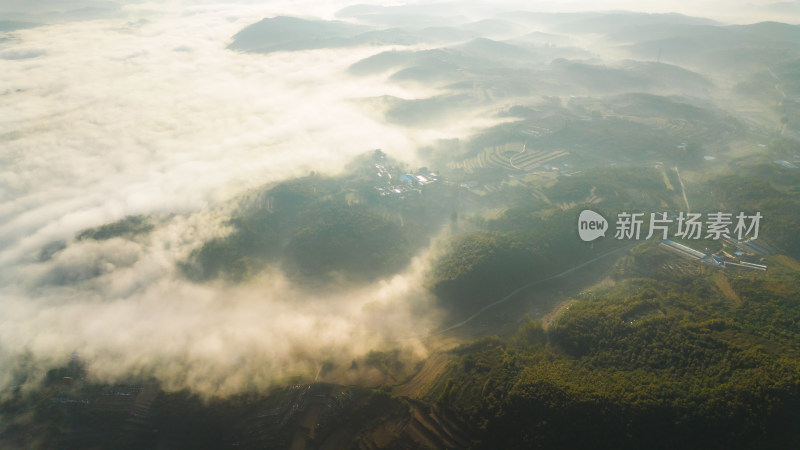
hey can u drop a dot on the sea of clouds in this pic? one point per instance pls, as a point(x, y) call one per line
point(147, 112)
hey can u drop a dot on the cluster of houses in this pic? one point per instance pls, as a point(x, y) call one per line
point(733, 253)
point(403, 185)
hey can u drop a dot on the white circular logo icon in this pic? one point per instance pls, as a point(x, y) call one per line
point(591, 225)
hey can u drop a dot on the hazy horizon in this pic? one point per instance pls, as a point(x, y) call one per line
point(740, 12)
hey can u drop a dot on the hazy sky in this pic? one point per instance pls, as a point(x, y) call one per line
point(143, 110)
point(740, 11)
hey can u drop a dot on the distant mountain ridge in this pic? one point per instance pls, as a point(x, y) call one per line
point(285, 33)
point(292, 33)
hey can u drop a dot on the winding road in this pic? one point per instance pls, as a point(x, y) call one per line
point(780, 91)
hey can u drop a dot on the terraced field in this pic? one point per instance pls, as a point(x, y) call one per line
point(504, 158)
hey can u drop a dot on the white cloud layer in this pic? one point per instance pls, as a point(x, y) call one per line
point(132, 319)
point(111, 118)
